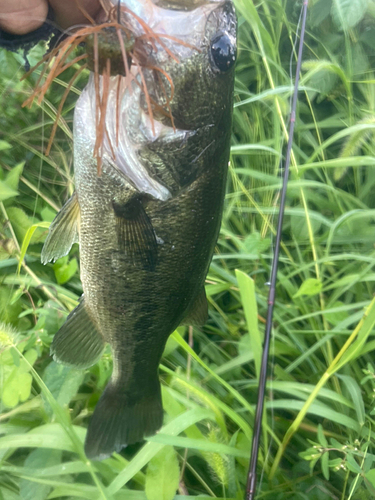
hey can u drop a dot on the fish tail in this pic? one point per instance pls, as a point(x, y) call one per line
point(122, 417)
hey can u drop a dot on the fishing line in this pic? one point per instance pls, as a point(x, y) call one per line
point(272, 362)
point(293, 53)
point(252, 476)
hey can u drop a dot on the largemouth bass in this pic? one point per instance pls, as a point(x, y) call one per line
point(147, 226)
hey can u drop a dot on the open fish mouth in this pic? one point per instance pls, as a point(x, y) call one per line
point(128, 100)
point(173, 17)
point(179, 18)
point(157, 32)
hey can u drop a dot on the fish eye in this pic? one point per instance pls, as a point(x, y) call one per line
point(223, 53)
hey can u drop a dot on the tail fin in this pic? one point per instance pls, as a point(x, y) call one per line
point(120, 419)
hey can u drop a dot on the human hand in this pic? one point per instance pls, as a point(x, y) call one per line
point(23, 16)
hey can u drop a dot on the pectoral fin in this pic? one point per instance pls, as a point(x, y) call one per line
point(135, 233)
point(78, 343)
point(197, 315)
point(63, 232)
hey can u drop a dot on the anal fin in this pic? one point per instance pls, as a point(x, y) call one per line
point(78, 343)
point(197, 314)
point(135, 233)
point(63, 232)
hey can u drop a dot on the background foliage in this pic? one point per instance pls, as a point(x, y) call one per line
point(318, 432)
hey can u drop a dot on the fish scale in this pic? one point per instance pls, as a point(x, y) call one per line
point(144, 254)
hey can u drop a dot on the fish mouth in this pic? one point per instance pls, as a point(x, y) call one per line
point(172, 29)
point(180, 4)
point(183, 19)
point(184, 5)
point(156, 31)
point(162, 29)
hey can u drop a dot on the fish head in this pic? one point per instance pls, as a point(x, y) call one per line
point(175, 103)
point(192, 59)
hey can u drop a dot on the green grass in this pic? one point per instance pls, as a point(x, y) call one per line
point(318, 431)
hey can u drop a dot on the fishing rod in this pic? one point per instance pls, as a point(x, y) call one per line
point(252, 474)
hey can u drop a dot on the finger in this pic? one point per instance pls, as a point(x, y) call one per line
point(70, 12)
point(22, 16)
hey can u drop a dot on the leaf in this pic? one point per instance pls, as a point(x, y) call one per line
point(70, 433)
point(29, 359)
point(175, 427)
point(17, 388)
point(13, 177)
point(8, 312)
point(321, 410)
point(4, 145)
point(321, 437)
point(370, 476)
point(199, 444)
point(324, 82)
point(62, 489)
point(27, 239)
point(356, 395)
point(353, 161)
point(243, 444)
point(249, 304)
point(38, 458)
point(52, 317)
point(162, 476)
point(319, 12)
point(254, 243)
point(363, 330)
point(6, 192)
point(45, 470)
point(63, 382)
point(348, 13)
point(17, 382)
point(368, 461)
point(335, 317)
point(368, 37)
point(352, 465)
point(300, 229)
point(48, 214)
point(44, 436)
point(15, 356)
point(360, 60)
point(7, 494)
point(310, 287)
point(170, 346)
point(234, 415)
point(65, 270)
point(20, 221)
point(325, 467)
point(317, 67)
point(231, 469)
